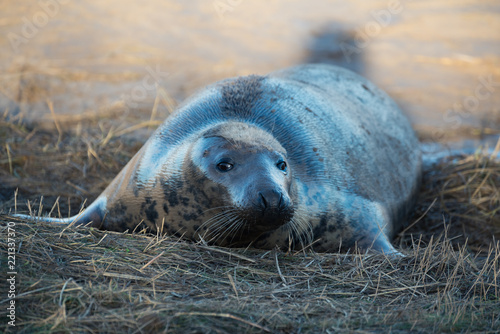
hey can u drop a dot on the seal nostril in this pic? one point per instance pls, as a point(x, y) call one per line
point(271, 199)
point(263, 201)
point(280, 202)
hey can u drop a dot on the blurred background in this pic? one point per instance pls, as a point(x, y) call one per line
point(133, 61)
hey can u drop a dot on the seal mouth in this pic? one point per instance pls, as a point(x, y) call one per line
point(268, 219)
point(232, 226)
point(276, 209)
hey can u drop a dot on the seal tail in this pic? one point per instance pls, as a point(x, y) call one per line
point(93, 216)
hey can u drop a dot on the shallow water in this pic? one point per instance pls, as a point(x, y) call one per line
point(439, 59)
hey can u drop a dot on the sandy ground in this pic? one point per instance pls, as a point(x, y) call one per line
point(440, 59)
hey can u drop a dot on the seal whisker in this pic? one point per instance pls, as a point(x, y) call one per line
point(294, 234)
point(301, 229)
point(289, 230)
point(210, 224)
point(219, 208)
point(216, 217)
point(221, 225)
point(231, 228)
point(225, 229)
point(213, 224)
point(235, 226)
point(238, 226)
point(244, 224)
point(225, 216)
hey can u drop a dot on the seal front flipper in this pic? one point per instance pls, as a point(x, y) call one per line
point(93, 216)
point(374, 228)
point(364, 224)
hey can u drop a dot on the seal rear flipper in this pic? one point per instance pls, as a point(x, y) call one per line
point(93, 216)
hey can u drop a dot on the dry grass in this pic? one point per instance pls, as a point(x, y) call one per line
point(84, 280)
point(461, 193)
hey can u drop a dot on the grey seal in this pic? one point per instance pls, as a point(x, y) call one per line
point(309, 154)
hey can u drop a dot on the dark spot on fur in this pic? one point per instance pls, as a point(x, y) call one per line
point(205, 153)
point(320, 229)
point(119, 209)
point(151, 213)
point(148, 206)
point(273, 111)
point(172, 199)
point(364, 128)
point(122, 224)
point(184, 201)
point(190, 216)
point(170, 192)
point(321, 159)
point(116, 217)
point(165, 208)
point(309, 109)
point(315, 149)
point(366, 88)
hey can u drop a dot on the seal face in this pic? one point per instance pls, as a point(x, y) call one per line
point(313, 153)
point(251, 166)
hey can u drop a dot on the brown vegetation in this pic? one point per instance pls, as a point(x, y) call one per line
point(84, 280)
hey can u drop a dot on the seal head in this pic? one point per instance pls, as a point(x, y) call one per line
point(251, 170)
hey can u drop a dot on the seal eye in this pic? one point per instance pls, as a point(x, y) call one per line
point(224, 166)
point(282, 166)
